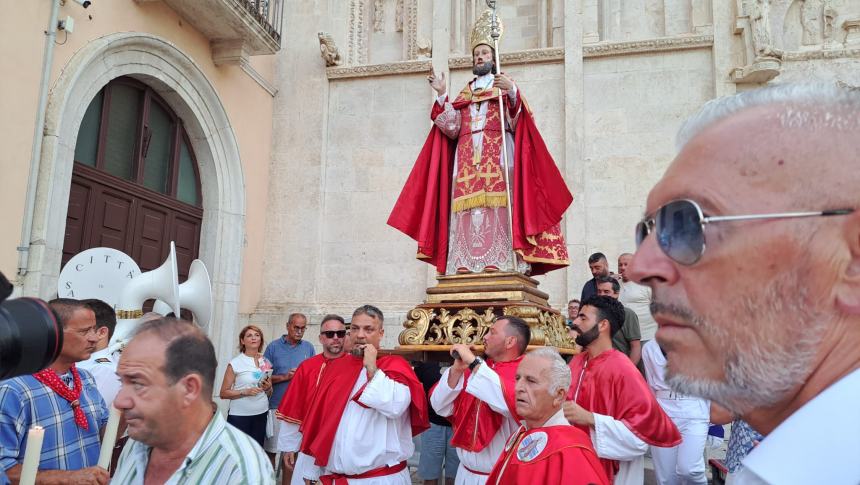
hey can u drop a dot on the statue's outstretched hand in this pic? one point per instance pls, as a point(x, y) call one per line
point(438, 83)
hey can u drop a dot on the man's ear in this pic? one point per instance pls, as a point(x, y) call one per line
point(101, 332)
point(559, 397)
point(847, 288)
point(191, 386)
point(605, 325)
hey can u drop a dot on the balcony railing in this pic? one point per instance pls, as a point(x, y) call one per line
point(236, 28)
point(269, 13)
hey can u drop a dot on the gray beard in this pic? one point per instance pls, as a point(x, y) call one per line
point(761, 370)
point(483, 69)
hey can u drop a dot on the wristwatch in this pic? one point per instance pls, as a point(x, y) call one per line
point(475, 363)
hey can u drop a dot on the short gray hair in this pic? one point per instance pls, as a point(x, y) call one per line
point(558, 372)
point(835, 107)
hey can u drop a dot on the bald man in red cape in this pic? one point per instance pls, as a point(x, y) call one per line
point(609, 399)
point(365, 411)
point(458, 184)
point(478, 398)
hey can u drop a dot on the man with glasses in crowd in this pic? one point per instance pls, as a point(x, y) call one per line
point(64, 401)
point(362, 418)
point(285, 354)
point(301, 393)
point(767, 177)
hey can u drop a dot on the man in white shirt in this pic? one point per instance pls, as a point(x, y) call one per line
point(685, 463)
point(102, 362)
point(769, 178)
point(637, 298)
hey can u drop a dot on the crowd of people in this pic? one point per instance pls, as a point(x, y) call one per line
point(761, 330)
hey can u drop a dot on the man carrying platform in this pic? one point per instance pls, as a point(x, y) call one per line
point(478, 397)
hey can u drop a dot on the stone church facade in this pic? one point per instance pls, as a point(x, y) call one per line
point(609, 81)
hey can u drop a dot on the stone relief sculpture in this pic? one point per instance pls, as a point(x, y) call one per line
point(810, 21)
point(762, 39)
point(425, 48)
point(328, 50)
point(829, 19)
point(378, 15)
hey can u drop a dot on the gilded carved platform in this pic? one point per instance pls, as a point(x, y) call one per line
point(462, 308)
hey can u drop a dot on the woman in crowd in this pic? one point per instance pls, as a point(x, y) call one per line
point(247, 384)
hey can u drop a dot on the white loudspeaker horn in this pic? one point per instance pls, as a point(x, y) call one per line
point(161, 283)
point(195, 295)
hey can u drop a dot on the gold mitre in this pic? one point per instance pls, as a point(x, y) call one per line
point(483, 30)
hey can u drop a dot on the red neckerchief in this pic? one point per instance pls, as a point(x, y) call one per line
point(50, 378)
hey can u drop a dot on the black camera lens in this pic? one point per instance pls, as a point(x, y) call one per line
point(31, 336)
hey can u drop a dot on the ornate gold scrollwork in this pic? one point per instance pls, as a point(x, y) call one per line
point(417, 323)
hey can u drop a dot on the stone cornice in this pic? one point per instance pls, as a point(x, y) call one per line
point(821, 54)
point(662, 44)
point(530, 56)
point(388, 69)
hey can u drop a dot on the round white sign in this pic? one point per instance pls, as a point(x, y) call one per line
point(100, 273)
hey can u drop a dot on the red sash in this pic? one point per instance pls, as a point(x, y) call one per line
point(340, 479)
point(474, 423)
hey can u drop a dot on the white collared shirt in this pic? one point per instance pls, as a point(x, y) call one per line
point(819, 443)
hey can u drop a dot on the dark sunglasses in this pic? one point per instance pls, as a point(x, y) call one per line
point(332, 333)
point(680, 227)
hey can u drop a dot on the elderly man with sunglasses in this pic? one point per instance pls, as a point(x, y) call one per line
point(301, 393)
point(770, 178)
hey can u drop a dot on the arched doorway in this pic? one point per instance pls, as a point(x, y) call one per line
point(135, 184)
point(180, 82)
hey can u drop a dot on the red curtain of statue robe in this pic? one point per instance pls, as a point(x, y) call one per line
point(540, 195)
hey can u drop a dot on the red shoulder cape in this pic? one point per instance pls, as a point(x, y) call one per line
point(474, 423)
point(612, 386)
point(564, 455)
point(540, 195)
point(294, 404)
point(325, 409)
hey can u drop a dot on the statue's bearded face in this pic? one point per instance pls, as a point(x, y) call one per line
point(482, 60)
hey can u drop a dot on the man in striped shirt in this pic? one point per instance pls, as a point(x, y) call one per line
point(177, 435)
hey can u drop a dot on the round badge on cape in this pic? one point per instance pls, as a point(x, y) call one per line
point(531, 446)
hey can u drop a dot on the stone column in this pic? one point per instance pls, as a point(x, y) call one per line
point(575, 225)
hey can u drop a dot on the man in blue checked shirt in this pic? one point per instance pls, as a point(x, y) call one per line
point(64, 401)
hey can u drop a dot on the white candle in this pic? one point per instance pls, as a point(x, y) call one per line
point(109, 438)
point(32, 455)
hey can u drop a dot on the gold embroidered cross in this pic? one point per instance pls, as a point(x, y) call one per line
point(467, 177)
point(488, 173)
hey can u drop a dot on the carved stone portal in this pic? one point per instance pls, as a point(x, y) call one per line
point(462, 308)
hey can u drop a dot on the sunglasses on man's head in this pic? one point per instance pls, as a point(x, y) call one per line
point(680, 227)
point(332, 333)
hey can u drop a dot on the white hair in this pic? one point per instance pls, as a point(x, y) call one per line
point(816, 106)
point(558, 372)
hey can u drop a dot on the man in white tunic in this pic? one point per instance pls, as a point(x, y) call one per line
point(685, 463)
point(360, 425)
point(479, 398)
